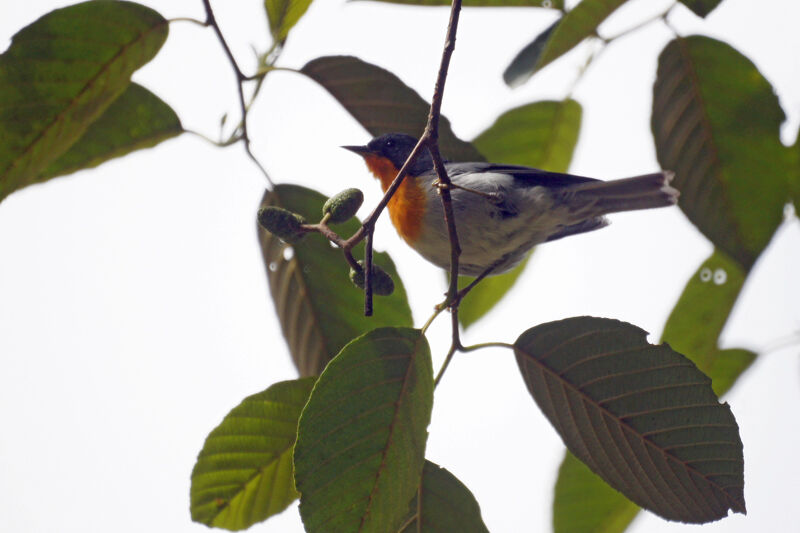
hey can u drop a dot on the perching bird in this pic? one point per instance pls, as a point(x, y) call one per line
point(501, 211)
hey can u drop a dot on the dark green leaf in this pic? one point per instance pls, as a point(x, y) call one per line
point(60, 74)
point(578, 24)
point(442, 505)
point(361, 438)
point(282, 15)
point(642, 417)
point(137, 119)
point(701, 8)
point(584, 503)
point(693, 328)
point(243, 474)
point(716, 123)
point(381, 103)
point(541, 135)
point(556, 4)
point(319, 309)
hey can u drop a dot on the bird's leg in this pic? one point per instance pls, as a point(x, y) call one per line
point(494, 197)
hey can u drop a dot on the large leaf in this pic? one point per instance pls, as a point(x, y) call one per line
point(542, 135)
point(716, 123)
point(693, 328)
point(556, 4)
point(443, 505)
point(361, 438)
point(701, 8)
point(584, 503)
point(243, 474)
point(558, 39)
point(282, 15)
point(61, 73)
point(381, 103)
point(319, 308)
point(137, 119)
point(642, 417)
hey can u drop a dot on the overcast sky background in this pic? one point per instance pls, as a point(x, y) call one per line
point(134, 312)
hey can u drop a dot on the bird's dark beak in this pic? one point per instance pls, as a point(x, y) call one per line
point(360, 150)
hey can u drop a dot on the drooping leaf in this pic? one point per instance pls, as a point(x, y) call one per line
point(61, 73)
point(558, 39)
point(361, 438)
point(442, 505)
point(584, 503)
point(701, 8)
point(642, 417)
point(555, 4)
point(318, 307)
point(136, 119)
point(542, 135)
point(282, 15)
point(382, 103)
point(716, 123)
point(693, 328)
point(243, 474)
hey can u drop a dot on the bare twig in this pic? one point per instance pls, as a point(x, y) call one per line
point(240, 80)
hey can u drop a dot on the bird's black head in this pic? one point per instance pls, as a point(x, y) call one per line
point(396, 147)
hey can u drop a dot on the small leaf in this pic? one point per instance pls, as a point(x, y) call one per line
point(282, 15)
point(243, 474)
point(584, 503)
point(61, 73)
point(555, 4)
point(361, 438)
point(318, 307)
point(443, 505)
point(137, 119)
point(642, 417)
point(381, 103)
point(701, 8)
point(558, 39)
point(716, 123)
point(541, 135)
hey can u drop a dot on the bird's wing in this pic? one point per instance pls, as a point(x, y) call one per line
point(530, 177)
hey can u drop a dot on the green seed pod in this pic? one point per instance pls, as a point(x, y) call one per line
point(382, 283)
point(343, 206)
point(282, 223)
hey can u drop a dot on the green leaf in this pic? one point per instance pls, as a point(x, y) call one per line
point(701, 8)
point(381, 103)
point(318, 307)
point(282, 15)
point(555, 4)
point(642, 417)
point(558, 39)
point(695, 323)
point(693, 328)
point(61, 73)
point(243, 474)
point(584, 503)
point(542, 135)
point(361, 438)
point(442, 505)
point(716, 123)
point(137, 119)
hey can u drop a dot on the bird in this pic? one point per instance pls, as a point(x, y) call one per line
point(500, 211)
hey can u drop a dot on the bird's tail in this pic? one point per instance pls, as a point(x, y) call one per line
point(628, 194)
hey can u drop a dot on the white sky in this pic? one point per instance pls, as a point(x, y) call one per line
point(134, 312)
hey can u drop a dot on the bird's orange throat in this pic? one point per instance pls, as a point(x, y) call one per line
point(407, 206)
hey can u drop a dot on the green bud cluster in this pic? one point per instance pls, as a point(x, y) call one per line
point(382, 283)
point(343, 206)
point(282, 223)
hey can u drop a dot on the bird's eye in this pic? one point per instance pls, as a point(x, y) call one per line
point(389, 143)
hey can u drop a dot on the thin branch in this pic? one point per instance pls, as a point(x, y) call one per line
point(211, 20)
